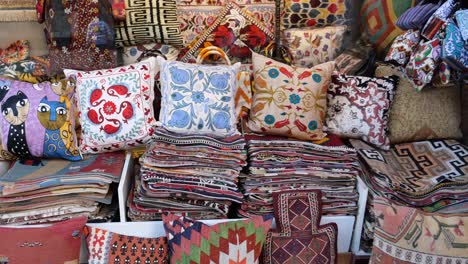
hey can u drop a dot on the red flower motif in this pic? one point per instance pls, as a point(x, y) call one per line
point(223, 36)
point(253, 36)
point(240, 52)
point(109, 108)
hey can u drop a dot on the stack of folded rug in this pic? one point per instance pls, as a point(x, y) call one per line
point(278, 164)
point(431, 175)
point(193, 175)
point(56, 190)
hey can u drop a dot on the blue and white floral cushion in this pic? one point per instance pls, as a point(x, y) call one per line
point(198, 99)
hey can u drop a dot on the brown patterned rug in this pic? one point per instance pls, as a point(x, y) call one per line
point(17, 10)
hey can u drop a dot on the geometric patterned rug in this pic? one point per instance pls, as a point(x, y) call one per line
point(299, 238)
point(17, 10)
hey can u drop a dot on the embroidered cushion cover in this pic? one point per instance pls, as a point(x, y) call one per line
point(196, 17)
point(229, 242)
point(358, 107)
point(55, 243)
point(115, 106)
point(37, 120)
point(423, 63)
point(379, 20)
point(108, 247)
point(149, 21)
point(299, 238)
point(409, 119)
point(310, 47)
point(15, 52)
point(289, 101)
point(403, 46)
point(409, 235)
point(235, 31)
point(198, 98)
point(316, 13)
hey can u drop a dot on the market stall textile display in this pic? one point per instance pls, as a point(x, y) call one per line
point(278, 164)
point(194, 175)
point(383, 174)
point(58, 189)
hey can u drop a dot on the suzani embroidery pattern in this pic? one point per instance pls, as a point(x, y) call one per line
point(358, 107)
point(116, 106)
point(289, 101)
point(198, 98)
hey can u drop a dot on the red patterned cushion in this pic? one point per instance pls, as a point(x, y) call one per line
point(55, 243)
point(229, 242)
point(358, 107)
point(299, 238)
point(236, 31)
point(109, 247)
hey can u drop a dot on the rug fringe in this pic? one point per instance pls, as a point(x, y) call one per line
point(17, 15)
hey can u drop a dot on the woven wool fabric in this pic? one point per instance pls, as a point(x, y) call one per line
point(423, 63)
point(56, 243)
point(149, 21)
point(230, 242)
point(454, 51)
point(194, 19)
point(198, 98)
point(408, 235)
point(310, 47)
point(235, 31)
point(379, 20)
point(115, 106)
point(358, 107)
point(402, 47)
point(108, 247)
point(299, 237)
point(15, 52)
point(416, 17)
point(299, 14)
point(80, 35)
point(32, 70)
point(296, 109)
point(401, 169)
point(409, 119)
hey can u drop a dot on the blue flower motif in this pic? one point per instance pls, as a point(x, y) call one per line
point(179, 119)
point(177, 96)
point(312, 125)
point(221, 120)
point(179, 76)
point(198, 97)
point(294, 99)
point(273, 73)
point(220, 81)
point(200, 75)
point(133, 51)
point(269, 119)
point(316, 77)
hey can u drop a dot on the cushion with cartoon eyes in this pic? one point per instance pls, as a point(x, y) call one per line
point(37, 121)
point(115, 106)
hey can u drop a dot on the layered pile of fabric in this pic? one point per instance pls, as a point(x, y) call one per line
point(55, 190)
point(430, 175)
point(278, 164)
point(193, 175)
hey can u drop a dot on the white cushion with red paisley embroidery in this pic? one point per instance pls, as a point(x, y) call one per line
point(115, 106)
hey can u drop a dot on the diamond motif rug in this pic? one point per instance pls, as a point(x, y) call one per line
point(299, 238)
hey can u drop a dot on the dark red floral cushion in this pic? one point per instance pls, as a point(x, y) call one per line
point(235, 31)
